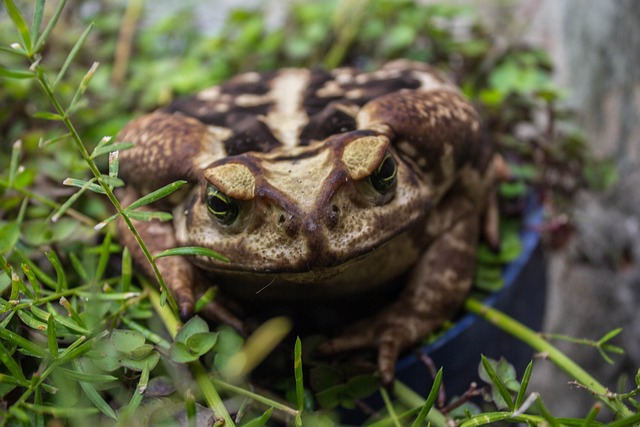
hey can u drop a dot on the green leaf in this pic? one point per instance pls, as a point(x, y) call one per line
point(259, 422)
point(489, 277)
point(72, 55)
point(362, 386)
point(53, 140)
point(431, 399)
point(51, 337)
point(331, 397)
point(297, 369)
point(52, 23)
point(148, 216)
point(105, 356)
point(11, 364)
point(97, 400)
point(139, 364)
point(125, 340)
point(523, 385)
point(9, 235)
point(61, 277)
point(111, 181)
point(156, 195)
point(46, 115)
point(201, 343)
point(29, 320)
point(27, 346)
point(195, 325)
point(20, 24)
point(15, 158)
point(15, 73)
point(80, 375)
point(610, 335)
point(513, 189)
point(489, 374)
point(179, 353)
point(82, 87)
point(37, 17)
point(90, 185)
point(191, 250)
point(205, 299)
point(109, 148)
point(141, 352)
point(323, 376)
point(138, 394)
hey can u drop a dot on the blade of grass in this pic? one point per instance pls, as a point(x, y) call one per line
point(209, 392)
point(97, 400)
point(57, 214)
point(111, 181)
point(53, 140)
point(51, 337)
point(591, 416)
point(103, 259)
point(535, 341)
point(109, 148)
point(23, 343)
point(11, 364)
point(82, 88)
point(297, 369)
point(71, 56)
point(156, 195)
point(44, 278)
point(389, 406)
point(39, 417)
point(37, 17)
point(136, 397)
point(148, 216)
point(524, 384)
point(497, 381)
point(15, 74)
point(15, 157)
point(546, 414)
point(35, 285)
point(90, 185)
point(52, 23)
point(431, 399)
point(191, 250)
point(61, 276)
point(21, 26)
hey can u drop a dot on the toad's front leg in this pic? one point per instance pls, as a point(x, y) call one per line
point(437, 286)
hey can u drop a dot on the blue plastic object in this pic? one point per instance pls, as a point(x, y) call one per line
point(458, 350)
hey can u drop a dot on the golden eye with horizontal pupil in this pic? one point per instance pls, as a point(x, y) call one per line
point(221, 207)
point(384, 177)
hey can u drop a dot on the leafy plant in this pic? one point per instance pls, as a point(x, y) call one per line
point(83, 339)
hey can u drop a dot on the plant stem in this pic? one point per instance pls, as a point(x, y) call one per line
point(205, 383)
point(75, 136)
point(535, 341)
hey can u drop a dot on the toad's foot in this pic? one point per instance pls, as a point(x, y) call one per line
point(391, 332)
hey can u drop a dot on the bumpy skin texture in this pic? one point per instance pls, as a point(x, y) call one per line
point(299, 154)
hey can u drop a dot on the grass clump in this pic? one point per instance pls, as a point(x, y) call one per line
point(83, 339)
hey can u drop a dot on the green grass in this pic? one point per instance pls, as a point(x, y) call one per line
point(85, 340)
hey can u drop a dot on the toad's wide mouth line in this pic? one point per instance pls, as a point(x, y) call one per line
point(324, 267)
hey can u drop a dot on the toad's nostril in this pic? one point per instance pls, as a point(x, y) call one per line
point(290, 224)
point(333, 216)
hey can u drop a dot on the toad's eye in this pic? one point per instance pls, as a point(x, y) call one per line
point(384, 176)
point(221, 207)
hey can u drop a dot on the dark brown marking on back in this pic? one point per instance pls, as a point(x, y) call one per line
point(250, 134)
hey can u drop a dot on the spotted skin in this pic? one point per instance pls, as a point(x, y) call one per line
point(297, 152)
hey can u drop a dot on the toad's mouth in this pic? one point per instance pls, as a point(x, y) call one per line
point(366, 268)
